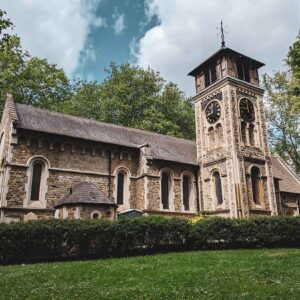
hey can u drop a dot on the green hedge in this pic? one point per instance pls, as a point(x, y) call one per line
point(50, 240)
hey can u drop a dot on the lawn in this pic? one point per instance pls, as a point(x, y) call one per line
point(234, 274)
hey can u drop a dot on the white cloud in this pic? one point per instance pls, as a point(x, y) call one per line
point(88, 54)
point(100, 22)
point(187, 33)
point(119, 24)
point(56, 29)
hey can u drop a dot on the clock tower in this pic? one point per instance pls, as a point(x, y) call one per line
point(236, 177)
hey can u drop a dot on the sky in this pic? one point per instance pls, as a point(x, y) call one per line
point(170, 36)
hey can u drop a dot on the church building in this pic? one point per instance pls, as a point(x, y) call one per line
point(60, 166)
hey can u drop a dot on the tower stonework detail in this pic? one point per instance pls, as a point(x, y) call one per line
point(236, 177)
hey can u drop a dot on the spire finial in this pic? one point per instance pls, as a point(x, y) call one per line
point(222, 33)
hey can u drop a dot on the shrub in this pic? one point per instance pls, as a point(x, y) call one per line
point(50, 240)
point(220, 233)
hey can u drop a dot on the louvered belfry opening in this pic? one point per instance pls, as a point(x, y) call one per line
point(210, 75)
point(243, 71)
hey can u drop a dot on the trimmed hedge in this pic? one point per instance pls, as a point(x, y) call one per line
point(51, 240)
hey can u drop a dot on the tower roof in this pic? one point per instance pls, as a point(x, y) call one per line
point(223, 52)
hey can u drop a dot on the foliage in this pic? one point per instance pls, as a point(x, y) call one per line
point(293, 59)
point(197, 219)
point(283, 108)
point(30, 80)
point(129, 96)
point(220, 233)
point(66, 239)
point(134, 97)
point(284, 117)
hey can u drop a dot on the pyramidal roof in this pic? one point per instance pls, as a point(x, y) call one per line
point(85, 193)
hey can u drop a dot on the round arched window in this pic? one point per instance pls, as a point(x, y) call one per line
point(256, 183)
point(95, 215)
point(218, 187)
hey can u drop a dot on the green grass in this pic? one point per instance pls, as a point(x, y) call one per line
point(235, 274)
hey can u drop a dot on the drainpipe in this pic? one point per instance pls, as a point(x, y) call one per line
point(197, 190)
point(109, 173)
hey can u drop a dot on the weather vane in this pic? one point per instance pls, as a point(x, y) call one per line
point(222, 33)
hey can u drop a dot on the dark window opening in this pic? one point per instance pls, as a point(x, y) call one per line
point(213, 74)
point(36, 181)
point(218, 188)
point(255, 179)
point(244, 132)
point(243, 71)
point(210, 76)
point(120, 188)
point(165, 182)
point(186, 192)
point(246, 73)
point(95, 215)
point(240, 71)
point(206, 78)
point(252, 135)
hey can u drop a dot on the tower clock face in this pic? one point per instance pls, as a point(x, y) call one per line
point(247, 110)
point(213, 112)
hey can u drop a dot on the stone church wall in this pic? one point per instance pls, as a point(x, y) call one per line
point(70, 161)
point(176, 171)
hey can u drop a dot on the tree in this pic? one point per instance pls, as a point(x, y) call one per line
point(293, 57)
point(139, 98)
point(283, 117)
point(30, 80)
point(134, 97)
point(86, 100)
point(129, 96)
point(283, 99)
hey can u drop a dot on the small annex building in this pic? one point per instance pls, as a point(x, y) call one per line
point(54, 165)
point(85, 201)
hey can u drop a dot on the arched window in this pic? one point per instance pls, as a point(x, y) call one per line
point(186, 191)
point(211, 137)
point(219, 131)
point(218, 187)
point(251, 135)
point(95, 215)
point(165, 190)
point(37, 183)
point(255, 180)
point(244, 132)
point(120, 188)
point(37, 171)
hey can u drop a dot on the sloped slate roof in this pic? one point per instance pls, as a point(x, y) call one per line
point(85, 193)
point(290, 182)
point(161, 146)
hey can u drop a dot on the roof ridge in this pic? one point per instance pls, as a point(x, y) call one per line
point(104, 123)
